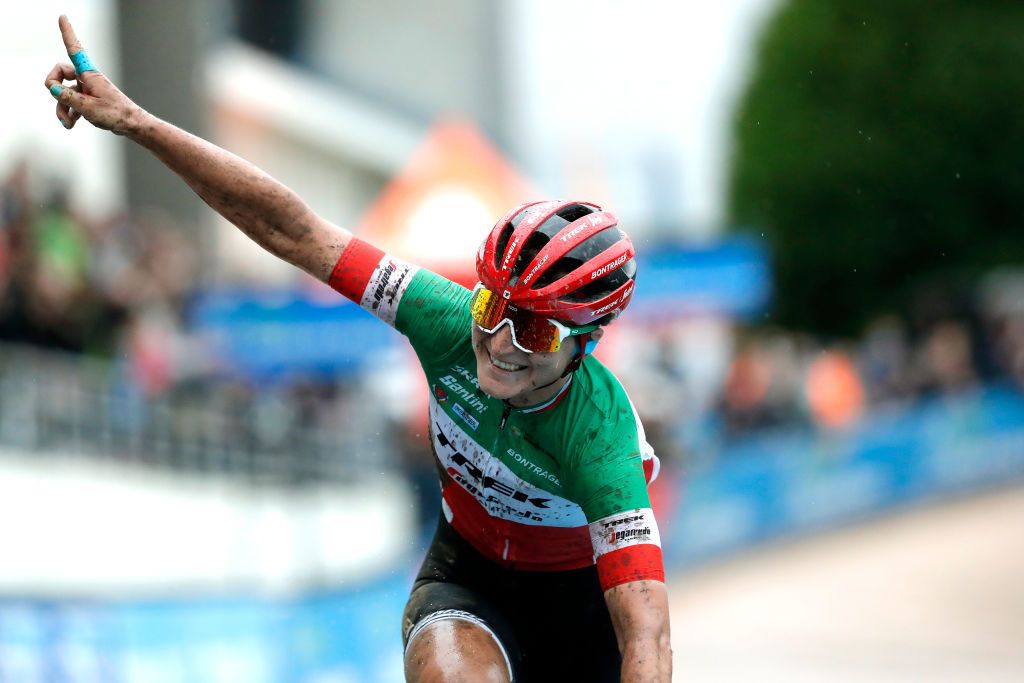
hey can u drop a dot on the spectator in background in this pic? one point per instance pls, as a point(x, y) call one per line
point(885, 362)
point(947, 359)
point(742, 405)
point(834, 391)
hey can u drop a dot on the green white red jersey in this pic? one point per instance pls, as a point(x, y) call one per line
point(556, 486)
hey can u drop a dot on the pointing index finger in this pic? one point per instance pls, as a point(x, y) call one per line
point(68, 34)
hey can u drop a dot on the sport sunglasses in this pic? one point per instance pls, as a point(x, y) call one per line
point(531, 333)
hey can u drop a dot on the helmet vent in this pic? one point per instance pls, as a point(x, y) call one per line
point(603, 286)
point(574, 212)
point(560, 269)
point(534, 243)
point(503, 238)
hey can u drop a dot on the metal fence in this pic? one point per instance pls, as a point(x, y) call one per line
point(296, 432)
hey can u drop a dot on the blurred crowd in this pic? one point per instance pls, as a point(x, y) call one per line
point(947, 345)
point(94, 329)
point(119, 288)
point(951, 342)
point(94, 286)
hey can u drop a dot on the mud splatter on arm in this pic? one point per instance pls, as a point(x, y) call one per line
point(639, 611)
point(267, 211)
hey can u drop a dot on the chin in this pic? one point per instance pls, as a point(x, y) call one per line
point(494, 387)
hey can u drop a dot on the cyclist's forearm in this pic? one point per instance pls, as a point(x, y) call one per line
point(647, 661)
point(263, 208)
point(639, 612)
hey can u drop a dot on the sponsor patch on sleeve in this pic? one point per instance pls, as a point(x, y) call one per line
point(624, 529)
point(627, 548)
point(386, 286)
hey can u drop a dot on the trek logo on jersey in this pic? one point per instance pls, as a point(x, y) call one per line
point(440, 394)
point(484, 488)
point(493, 503)
point(466, 417)
point(491, 481)
point(486, 482)
point(624, 529)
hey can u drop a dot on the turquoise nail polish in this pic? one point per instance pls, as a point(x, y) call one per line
point(56, 90)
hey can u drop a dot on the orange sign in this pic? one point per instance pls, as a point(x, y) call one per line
point(439, 208)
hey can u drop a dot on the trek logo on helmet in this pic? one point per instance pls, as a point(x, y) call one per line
point(618, 300)
point(572, 233)
point(509, 252)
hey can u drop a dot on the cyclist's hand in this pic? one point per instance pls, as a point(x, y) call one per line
point(91, 95)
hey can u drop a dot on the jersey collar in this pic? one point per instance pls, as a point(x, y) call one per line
point(548, 404)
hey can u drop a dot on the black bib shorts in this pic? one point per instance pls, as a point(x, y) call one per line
point(553, 625)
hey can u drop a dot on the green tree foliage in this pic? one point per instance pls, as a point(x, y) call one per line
point(881, 142)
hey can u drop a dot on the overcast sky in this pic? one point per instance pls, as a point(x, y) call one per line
point(625, 90)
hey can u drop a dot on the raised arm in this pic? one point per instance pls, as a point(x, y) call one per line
point(261, 207)
point(639, 611)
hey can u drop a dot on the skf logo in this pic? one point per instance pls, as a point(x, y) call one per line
point(440, 394)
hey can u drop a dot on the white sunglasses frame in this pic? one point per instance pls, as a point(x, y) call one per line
point(563, 333)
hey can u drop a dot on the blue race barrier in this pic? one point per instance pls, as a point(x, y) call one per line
point(770, 486)
point(345, 636)
point(795, 481)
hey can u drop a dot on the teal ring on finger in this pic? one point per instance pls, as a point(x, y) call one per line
point(82, 63)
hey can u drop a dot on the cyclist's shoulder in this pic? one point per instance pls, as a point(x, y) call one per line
point(428, 287)
point(598, 394)
point(598, 412)
point(604, 435)
point(434, 316)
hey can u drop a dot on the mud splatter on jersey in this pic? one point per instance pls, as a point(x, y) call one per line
point(557, 486)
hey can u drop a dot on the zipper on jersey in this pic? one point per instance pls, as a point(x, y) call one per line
point(506, 410)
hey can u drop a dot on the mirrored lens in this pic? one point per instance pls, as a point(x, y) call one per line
point(530, 332)
point(485, 308)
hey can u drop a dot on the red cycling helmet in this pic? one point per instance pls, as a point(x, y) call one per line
point(564, 260)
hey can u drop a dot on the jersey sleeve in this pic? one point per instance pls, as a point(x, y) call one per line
point(610, 484)
point(430, 310)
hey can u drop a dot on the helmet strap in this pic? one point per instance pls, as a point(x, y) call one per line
point(585, 347)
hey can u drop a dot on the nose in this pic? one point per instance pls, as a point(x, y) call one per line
point(501, 341)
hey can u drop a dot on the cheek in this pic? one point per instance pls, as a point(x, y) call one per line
point(554, 363)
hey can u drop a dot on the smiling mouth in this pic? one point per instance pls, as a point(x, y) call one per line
point(502, 365)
